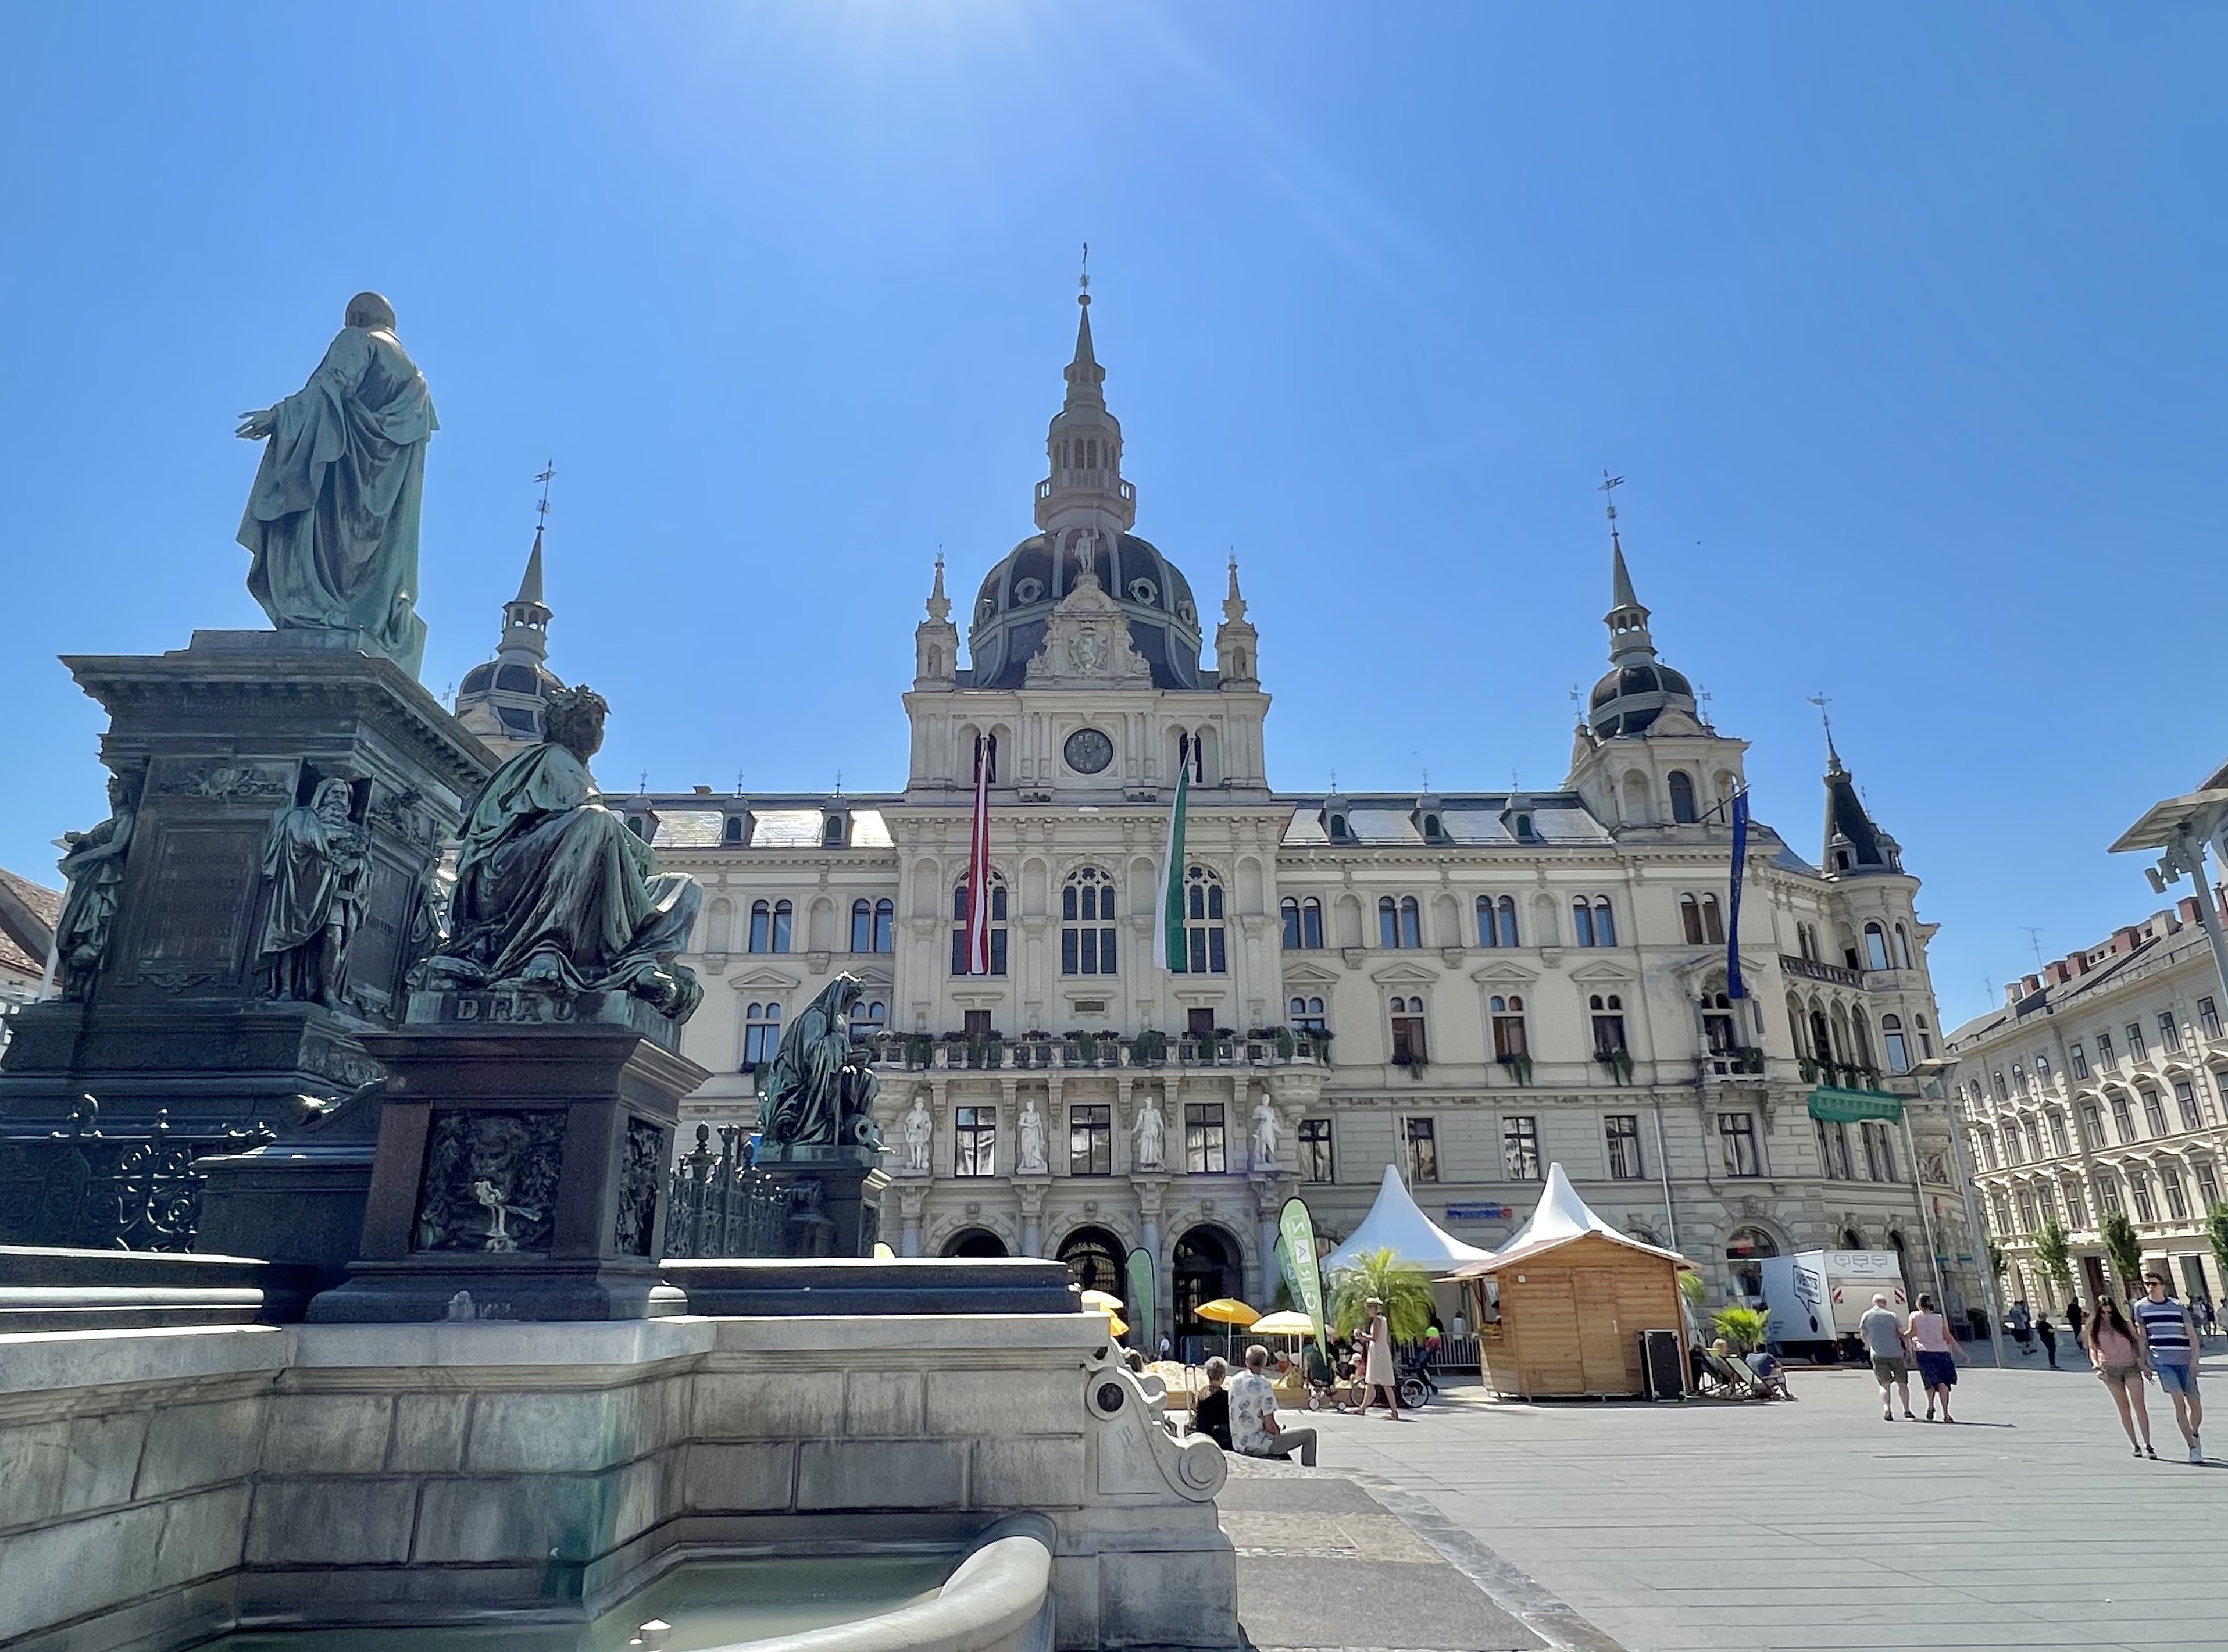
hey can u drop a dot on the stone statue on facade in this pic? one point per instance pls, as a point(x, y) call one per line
point(314, 864)
point(93, 861)
point(1151, 1136)
point(332, 520)
point(1264, 1136)
point(1031, 1129)
point(553, 894)
point(918, 1129)
point(821, 1090)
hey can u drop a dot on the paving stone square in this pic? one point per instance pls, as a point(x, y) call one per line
point(1816, 1524)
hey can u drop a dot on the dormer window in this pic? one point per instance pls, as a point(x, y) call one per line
point(1434, 829)
point(1524, 832)
point(731, 832)
point(638, 825)
point(834, 831)
point(1339, 830)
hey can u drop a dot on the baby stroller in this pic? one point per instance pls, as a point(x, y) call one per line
point(1415, 1383)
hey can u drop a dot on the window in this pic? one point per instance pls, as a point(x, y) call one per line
point(1902, 948)
point(1205, 947)
point(2077, 1211)
point(1607, 1010)
point(2001, 1207)
point(1316, 1160)
point(1875, 947)
point(2019, 1079)
point(1745, 1248)
point(1303, 924)
point(2057, 1139)
point(1806, 942)
point(2208, 1017)
point(1508, 1043)
point(2139, 1188)
point(1086, 923)
point(1623, 1130)
point(1682, 797)
point(1925, 1038)
point(2107, 1192)
point(2042, 1071)
point(1987, 1140)
point(1408, 1032)
point(1519, 1146)
point(1203, 1154)
point(2092, 1125)
point(871, 923)
point(2123, 1125)
point(1591, 924)
point(1339, 830)
point(2105, 1058)
point(1398, 922)
point(1834, 1147)
point(1496, 921)
point(2002, 1094)
point(831, 833)
point(770, 924)
point(2025, 1202)
point(1091, 1140)
point(2153, 1112)
point(2208, 1184)
point(732, 831)
point(1879, 1151)
point(2177, 1199)
point(975, 1142)
point(2185, 1102)
point(761, 1034)
point(1719, 1034)
point(1899, 1049)
point(2078, 1058)
point(1700, 920)
point(960, 892)
point(1307, 1016)
point(1420, 1147)
point(868, 1018)
point(2033, 1137)
point(1736, 1142)
point(2013, 1153)
point(2136, 1051)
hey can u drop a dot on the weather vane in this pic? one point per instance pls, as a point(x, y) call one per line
point(541, 511)
point(1084, 283)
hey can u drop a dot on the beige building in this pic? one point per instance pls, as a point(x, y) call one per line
point(1469, 983)
point(2096, 1087)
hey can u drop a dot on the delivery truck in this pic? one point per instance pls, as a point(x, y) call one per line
point(1815, 1297)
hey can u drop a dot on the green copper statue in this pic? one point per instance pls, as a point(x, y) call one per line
point(333, 517)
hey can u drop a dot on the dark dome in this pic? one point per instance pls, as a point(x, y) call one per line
point(1629, 698)
point(1018, 595)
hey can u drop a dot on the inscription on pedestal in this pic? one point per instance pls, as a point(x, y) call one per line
point(490, 1180)
point(641, 1171)
point(197, 903)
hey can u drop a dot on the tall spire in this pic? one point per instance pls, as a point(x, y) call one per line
point(939, 605)
point(1855, 842)
point(1083, 499)
point(1629, 641)
point(530, 584)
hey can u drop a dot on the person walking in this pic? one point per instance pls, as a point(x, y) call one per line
point(2048, 1333)
point(1254, 1429)
point(2169, 1338)
point(2117, 1353)
point(1935, 1349)
point(1378, 1368)
point(1883, 1339)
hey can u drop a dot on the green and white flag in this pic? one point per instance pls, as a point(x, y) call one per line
point(1171, 870)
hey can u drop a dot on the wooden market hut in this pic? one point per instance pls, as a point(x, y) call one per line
point(1560, 1307)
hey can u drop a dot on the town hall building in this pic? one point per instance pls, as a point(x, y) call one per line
point(1470, 984)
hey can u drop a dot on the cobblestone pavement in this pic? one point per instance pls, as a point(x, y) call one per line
point(1817, 1525)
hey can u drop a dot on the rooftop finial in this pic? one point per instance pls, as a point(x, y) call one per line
point(939, 605)
point(541, 511)
point(1082, 282)
point(1833, 757)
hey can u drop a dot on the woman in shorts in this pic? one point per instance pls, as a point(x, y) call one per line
point(1930, 1340)
point(2118, 1357)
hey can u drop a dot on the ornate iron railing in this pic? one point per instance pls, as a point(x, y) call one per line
point(721, 1205)
point(80, 1189)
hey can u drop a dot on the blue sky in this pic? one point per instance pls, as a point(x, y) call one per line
point(1900, 325)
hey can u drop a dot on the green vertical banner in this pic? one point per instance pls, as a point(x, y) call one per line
point(1296, 1251)
point(1143, 1321)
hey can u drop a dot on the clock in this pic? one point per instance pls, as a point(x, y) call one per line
point(1088, 751)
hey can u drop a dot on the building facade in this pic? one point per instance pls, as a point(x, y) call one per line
point(2096, 1088)
point(1469, 984)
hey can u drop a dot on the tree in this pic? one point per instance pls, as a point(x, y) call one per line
point(2124, 1248)
point(2216, 1231)
point(1401, 1286)
point(2051, 1254)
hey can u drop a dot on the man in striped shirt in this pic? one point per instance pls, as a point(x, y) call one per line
point(2170, 1337)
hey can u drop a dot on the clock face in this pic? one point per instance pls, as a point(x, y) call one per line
point(1088, 751)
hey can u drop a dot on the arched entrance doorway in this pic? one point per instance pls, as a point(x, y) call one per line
point(1207, 1263)
point(975, 1241)
point(1094, 1260)
point(1745, 1248)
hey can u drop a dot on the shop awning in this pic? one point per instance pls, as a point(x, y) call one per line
point(1848, 1106)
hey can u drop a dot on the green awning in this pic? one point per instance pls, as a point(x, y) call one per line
point(1848, 1106)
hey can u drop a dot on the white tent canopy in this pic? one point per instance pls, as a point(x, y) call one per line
point(1395, 1223)
point(1560, 1217)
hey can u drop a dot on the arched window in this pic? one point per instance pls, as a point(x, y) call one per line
point(1311, 933)
point(1307, 1016)
point(1289, 909)
point(1745, 1248)
point(959, 905)
point(831, 833)
point(1806, 942)
point(869, 1017)
point(1411, 928)
point(761, 1034)
point(1407, 1032)
point(1086, 923)
point(886, 913)
point(1700, 921)
point(1822, 1035)
point(1205, 947)
point(1496, 920)
point(1860, 1038)
point(1898, 1052)
point(1875, 947)
point(769, 926)
point(862, 926)
point(1902, 948)
point(1607, 1012)
point(1582, 921)
point(731, 832)
point(1605, 924)
point(1719, 1035)
point(1682, 797)
point(1388, 921)
point(1509, 1043)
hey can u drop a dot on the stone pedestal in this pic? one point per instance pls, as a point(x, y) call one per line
point(835, 1196)
point(523, 1164)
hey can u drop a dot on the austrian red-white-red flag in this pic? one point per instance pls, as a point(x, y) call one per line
point(974, 949)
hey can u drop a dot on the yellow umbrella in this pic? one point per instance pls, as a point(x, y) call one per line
point(1100, 1302)
point(1228, 1310)
point(1285, 1324)
point(1115, 1325)
point(883, 1253)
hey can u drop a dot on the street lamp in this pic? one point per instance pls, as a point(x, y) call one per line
point(1930, 1073)
point(2181, 827)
